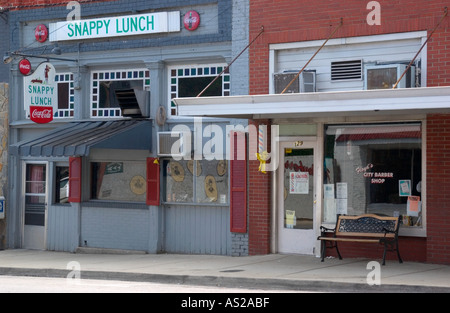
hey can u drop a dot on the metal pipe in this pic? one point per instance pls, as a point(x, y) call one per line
point(307, 63)
point(418, 52)
point(226, 68)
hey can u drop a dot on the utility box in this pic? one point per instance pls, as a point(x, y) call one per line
point(2, 207)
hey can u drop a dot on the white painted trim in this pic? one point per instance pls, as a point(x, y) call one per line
point(325, 104)
point(349, 40)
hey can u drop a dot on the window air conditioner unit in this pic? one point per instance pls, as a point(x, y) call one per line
point(385, 76)
point(306, 82)
point(173, 144)
point(131, 98)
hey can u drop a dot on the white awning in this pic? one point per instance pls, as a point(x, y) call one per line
point(320, 104)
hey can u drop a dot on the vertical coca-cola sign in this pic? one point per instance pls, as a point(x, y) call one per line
point(41, 94)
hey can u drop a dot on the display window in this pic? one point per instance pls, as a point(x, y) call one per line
point(118, 181)
point(373, 169)
point(189, 181)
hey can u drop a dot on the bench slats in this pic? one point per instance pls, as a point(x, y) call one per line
point(350, 239)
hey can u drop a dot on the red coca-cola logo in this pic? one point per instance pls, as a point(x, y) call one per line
point(41, 115)
point(41, 33)
point(191, 20)
point(24, 67)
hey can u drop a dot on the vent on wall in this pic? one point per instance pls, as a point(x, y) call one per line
point(346, 70)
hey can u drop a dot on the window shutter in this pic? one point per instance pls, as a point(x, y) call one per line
point(238, 182)
point(153, 184)
point(75, 179)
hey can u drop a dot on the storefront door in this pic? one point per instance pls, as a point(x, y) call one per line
point(297, 198)
point(35, 206)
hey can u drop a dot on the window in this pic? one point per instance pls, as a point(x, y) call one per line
point(66, 95)
point(62, 184)
point(103, 100)
point(189, 181)
point(189, 81)
point(118, 181)
point(373, 169)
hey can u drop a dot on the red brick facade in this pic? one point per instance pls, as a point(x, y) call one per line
point(296, 21)
point(33, 4)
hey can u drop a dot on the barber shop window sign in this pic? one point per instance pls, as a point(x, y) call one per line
point(41, 94)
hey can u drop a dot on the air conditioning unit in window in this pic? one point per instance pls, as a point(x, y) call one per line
point(385, 76)
point(132, 98)
point(173, 144)
point(306, 82)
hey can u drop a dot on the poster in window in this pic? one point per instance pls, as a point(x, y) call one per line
point(414, 206)
point(299, 183)
point(404, 187)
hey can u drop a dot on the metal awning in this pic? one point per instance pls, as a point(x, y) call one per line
point(320, 104)
point(77, 138)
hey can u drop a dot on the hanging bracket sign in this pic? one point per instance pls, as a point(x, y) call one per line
point(41, 94)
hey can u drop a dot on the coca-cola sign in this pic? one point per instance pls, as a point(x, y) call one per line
point(41, 33)
point(41, 94)
point(41, 115)
point(24, 67)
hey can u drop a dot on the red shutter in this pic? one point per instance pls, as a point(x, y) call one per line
point(75, 179)
point(238, 181)
point(153, 184)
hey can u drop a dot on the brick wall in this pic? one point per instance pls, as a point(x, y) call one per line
point(438, 184)
point(33, 4)
point(300, 20)
point(259, 197)
point(294, 21)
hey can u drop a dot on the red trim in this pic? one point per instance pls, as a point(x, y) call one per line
point(75, 179)
point(238, 182)
point(153, 183)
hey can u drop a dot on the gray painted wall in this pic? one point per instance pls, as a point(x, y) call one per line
point(174, 228)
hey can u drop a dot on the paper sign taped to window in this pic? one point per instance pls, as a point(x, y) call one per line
point(413, 206)
point(299, 183)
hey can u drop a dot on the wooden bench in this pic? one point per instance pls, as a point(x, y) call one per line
point(367, 228)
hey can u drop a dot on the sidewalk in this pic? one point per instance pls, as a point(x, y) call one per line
point(275, 271)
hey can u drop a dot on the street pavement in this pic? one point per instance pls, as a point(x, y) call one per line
point(270, 272)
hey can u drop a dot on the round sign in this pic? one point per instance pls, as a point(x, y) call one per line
point(191, 20)
point(25, 67)
point(41, 33)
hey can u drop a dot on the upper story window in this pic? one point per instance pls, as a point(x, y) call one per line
point(66, 98)
point(348, 64)
point(189, 81)
point(104, 103)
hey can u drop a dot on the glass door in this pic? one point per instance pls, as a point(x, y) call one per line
point(35, 206)
point(297, 198)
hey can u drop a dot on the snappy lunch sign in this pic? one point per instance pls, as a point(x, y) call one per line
point(141, 24)
point(41, 93)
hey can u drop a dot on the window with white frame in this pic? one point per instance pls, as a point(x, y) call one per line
point(103, 101)
point(191, 80)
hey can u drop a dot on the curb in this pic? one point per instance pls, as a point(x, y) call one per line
point(229, 282)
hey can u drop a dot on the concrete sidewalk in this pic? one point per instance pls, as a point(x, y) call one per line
point(275, 271)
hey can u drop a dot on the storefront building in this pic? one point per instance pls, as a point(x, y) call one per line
point(100, 171)
point(343, 141)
